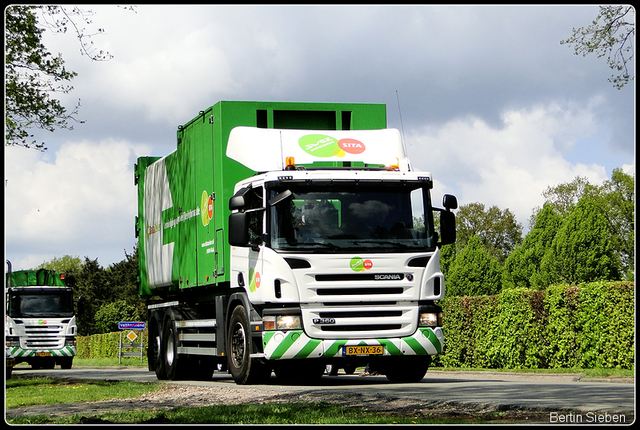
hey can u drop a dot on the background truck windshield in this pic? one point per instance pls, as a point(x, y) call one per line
point(382, 219)
point(33, 305)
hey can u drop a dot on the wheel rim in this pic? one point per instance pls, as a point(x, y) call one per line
point(156, 352)
point(238, 345)
point(170, 353)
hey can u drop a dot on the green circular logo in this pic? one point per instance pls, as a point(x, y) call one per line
point(358, 264)
point(321, 145)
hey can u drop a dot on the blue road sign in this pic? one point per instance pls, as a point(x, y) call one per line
point(128, 325)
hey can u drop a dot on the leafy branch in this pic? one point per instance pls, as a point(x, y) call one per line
point(610, 35)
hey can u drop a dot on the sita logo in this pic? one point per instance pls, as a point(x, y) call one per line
point(206, 208)
point(42, 322)
point(321, 145)
point(359, 265)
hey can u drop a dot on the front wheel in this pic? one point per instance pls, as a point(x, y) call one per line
point(411, 369)
point(243, 369)
point(66, 363)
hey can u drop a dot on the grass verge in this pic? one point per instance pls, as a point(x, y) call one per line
point(281, 413)
point(26, 391)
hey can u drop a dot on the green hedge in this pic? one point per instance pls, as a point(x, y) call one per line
point(105, 345)
point(589, 326)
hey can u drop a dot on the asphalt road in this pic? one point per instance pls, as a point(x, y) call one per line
point(595, 398)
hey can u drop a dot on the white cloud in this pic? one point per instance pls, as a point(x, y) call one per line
point(508, 167)
point(81, 203)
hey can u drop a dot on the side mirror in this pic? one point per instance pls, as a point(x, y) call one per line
point(447, 227)
point(449, 202)
point(238, 231)
point(236, 203)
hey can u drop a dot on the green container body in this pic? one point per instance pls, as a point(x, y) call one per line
point(41, 277)
point(201, 178)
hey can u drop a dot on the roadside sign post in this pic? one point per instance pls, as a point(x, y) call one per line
point(131, 336)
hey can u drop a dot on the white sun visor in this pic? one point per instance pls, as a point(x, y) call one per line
point(263, 150)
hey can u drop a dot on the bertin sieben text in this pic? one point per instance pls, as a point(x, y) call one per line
point(587, 418)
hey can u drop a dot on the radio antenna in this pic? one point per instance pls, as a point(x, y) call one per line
point(404, 143)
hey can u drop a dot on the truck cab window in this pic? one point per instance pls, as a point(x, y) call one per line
point(387, 219)
point(254, 202)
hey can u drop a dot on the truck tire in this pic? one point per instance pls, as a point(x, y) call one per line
point(154, 351)
point(243, 369)
point(176, 367)
point(66, 363)
point(411, 369)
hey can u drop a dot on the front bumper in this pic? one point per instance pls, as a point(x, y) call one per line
point(282, 345)
point(21, 354)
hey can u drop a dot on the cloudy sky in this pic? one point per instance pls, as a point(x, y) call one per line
point(487, 98)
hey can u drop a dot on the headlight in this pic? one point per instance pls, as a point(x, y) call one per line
point(430, 319)
point(288, 322)
point(282, 322)
point(70, 341)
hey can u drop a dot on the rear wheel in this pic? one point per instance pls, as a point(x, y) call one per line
point(154, 352)
point(176, 367)
point(242, 367)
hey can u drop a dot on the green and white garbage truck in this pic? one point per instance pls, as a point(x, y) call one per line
point(40, 326)
point(285, 237)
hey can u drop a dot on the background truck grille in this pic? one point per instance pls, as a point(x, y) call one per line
point(44, 336)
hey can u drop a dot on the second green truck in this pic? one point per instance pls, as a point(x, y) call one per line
point(284, 237)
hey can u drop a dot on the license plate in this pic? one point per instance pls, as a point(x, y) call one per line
point(43, 354)
point(11, 362)
point(363, 350)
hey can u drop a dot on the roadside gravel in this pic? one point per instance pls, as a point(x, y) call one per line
point(172, 396)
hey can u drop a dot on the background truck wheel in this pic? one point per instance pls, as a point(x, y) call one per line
point(243, 369)
point(411, 369)
point(66, 363)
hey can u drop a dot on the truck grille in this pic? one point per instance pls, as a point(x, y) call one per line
point(44, 336)
point(378, 302)
point(362, 320)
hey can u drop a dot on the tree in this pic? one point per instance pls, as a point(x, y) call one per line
point(581, 251)
point(474, 271)
point(616, 200)
point(497, 229)
point(31, 74)
point(564, 197)
point(610, 34)
point(65, 264)
point(109, 315)
point(522, 267)
point(123, 281)
point(91, 283)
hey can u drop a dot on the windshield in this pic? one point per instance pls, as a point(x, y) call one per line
point(382, 219)
point(33, 305)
